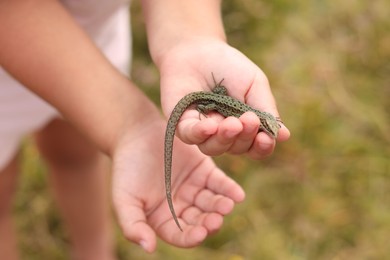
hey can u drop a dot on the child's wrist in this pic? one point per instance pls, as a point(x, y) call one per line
point(164, 54)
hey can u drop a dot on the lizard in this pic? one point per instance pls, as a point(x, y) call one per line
point(205, 102)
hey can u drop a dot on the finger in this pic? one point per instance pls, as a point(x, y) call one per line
point(193, 131)
point(245, 139)
point(262, 147)
point(219, 143)
point(211, 221)
point(221, 184)
point(284, 133)
point(208, 201)
point(133, 225)
point(261, 97)
point(191, 236)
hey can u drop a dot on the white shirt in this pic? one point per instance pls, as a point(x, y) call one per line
point(21, 112)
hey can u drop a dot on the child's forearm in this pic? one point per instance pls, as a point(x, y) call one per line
point(43, 48)
point(170, 22)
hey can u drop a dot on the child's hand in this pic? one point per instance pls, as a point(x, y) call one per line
point(202, 193)
point(188, 67)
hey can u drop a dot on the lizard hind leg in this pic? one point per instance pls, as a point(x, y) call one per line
point(204, 109)
point(218, 87)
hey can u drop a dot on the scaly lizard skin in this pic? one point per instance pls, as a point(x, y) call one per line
point(219, 101)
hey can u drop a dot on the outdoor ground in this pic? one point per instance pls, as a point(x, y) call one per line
point(324, 194)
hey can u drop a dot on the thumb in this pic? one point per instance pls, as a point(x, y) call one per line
point(132, 221)
point(260, 96)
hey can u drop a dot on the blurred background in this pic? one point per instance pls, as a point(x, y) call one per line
point(324, 194)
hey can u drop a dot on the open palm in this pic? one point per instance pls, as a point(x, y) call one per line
point(202, 193)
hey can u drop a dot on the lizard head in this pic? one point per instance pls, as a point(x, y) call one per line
point(270, 125)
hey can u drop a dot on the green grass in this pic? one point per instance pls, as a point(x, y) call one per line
point(324, 194)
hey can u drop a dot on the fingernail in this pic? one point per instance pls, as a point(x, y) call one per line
point(143, 244)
